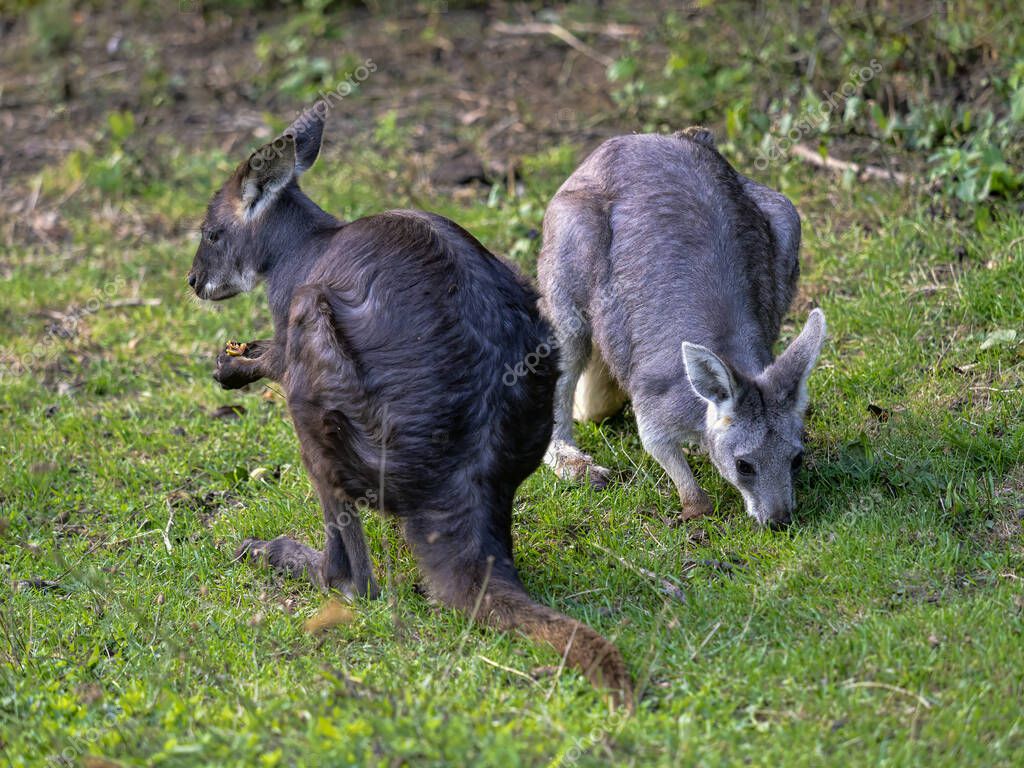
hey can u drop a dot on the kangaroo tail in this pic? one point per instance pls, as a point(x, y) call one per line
point(506, 605)
point(317, 345)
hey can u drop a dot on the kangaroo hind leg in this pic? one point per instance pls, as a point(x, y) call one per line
point(576, 237)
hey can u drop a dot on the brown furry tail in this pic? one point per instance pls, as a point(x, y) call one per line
point(507, 606)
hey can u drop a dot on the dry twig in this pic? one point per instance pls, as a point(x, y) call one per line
point(813, 157)
point(555, 30)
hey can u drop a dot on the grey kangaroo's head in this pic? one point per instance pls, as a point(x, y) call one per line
point(754, 426)
point(234, 250)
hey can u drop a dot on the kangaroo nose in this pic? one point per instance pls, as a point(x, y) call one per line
point(192, 279)
point(780, 521)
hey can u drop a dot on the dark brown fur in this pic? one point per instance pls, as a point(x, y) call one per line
point(392, 334)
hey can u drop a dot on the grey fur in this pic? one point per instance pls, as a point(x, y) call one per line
point(655, 241)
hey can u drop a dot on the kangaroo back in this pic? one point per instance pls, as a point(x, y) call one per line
point(459, 440)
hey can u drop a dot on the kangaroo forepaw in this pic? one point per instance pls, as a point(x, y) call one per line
point(570, 463)
point(284, 555)
point(695, 505)
point(239, 364)
point(255, 349)
point(234, 371)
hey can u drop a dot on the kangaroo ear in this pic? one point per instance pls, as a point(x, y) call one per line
point(268, 170)
point(785, 380)
point(308, 133)
point(709, 376)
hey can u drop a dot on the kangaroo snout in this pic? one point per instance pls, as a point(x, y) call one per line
point(773, 513)
point(779, 520)
point(192, 280)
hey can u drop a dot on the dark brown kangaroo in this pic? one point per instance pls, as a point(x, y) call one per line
point(393, 336)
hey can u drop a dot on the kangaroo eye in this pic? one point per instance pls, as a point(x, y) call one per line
point(212, 236)
point(745, 468)
point(798, 461)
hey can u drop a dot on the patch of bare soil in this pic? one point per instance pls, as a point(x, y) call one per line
point(479, 87)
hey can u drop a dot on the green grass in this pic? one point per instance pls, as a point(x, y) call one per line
point(884, 628)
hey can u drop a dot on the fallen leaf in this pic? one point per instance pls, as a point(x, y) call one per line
point(43, 584)
point(999, 337)
point(331, 614)
point(259, 472)
point(880, 413)
point(232, 411)
point(91, 761)
point(89, 693)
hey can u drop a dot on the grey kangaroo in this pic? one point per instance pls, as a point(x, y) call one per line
point(391, 334)
point(666, 275)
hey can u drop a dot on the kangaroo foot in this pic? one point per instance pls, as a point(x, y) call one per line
point(285, 555)
point(570, 463)
point(297, 560)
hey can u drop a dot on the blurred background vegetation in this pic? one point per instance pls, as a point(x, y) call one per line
point(945, 103)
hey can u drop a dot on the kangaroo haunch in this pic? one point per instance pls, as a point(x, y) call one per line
point(666, 275)
point(391, 335)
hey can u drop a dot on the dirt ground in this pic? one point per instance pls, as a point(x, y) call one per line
point(476, 90)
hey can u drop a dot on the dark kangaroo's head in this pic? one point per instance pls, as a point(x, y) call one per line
point(235, 251)
point(754, 427)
